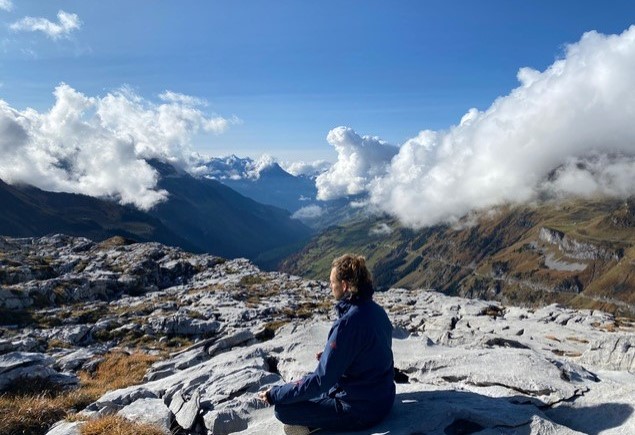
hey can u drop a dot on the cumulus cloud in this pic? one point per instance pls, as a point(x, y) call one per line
point(97, 145)
point(565, 131)
point(6, 5)
point(308, 212)
point(360, 160)
point(67, 23)
point(308, 169)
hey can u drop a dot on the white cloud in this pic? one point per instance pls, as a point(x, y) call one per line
point(67, 23)
point(589, 175)
point(565, 131)
point(6, 5)
point(360, 159)
point(382, 229)
point(175, 97)
point(308, 212)
point(161, 131)
point(233, 167)
point(97, 145)
point(309, 169)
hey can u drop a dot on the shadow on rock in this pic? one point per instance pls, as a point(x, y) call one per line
point(591, 420)
point(448, 412)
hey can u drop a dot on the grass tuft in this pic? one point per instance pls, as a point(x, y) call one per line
point(30, 408)
point(118, 370)
point(116, 425)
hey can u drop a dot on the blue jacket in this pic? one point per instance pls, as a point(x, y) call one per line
point(356, 365)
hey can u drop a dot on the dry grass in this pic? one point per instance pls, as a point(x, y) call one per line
point(32, 407)
point(119, 370)
point(115, 425)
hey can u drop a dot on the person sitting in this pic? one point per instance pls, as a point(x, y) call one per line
point(353, 386)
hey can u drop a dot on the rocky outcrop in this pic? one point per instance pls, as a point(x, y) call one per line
point(575, 249)
point(17, 367)
point(616, 352)
point(468, 365)
point(59, 269)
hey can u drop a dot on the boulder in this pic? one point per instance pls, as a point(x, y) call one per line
point(152, 411)
point(18, 366)
point(77, 359)
point(186, 410)
point(66, 428)
point(14, 360)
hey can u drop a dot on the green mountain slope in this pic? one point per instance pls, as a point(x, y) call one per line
point(579, 253)
point(26, 211)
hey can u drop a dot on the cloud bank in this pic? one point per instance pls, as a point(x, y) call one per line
point(232, 167)
point(565, 131)
point(97, 146)
point(359, 160)
point(66, 24)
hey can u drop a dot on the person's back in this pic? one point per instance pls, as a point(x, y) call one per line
point(368, 381)
point(352, 387)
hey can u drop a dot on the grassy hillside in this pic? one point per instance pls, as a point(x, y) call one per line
point(579, 253)
point(30, 212)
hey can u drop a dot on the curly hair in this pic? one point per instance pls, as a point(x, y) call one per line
point(352, 269)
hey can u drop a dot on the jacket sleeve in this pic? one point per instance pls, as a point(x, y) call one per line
point(339, 352)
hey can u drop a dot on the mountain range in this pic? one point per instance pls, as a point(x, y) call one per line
point(200, 215)
point(262, 180)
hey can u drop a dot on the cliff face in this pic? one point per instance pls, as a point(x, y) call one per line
point(467, 365)
point(581, 254)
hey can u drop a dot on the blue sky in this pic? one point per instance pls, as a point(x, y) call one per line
point(294, 70)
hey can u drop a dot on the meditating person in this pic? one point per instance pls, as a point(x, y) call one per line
point(353, 385)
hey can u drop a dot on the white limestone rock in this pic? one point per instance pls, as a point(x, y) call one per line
point(181, 325)
point(152, 411)
point(14, 360)
point(186, 410)
point(77, 359)
point(114, 401)
point(616, 352)
point(66, 428)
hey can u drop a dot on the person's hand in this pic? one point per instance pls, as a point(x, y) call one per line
point(318, 355)
point(264, 396)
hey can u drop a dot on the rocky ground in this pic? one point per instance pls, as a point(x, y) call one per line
point(463, 366)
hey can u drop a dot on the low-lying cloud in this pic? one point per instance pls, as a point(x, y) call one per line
point(232, 167)
point(308, 169)
point(309, 212)
point(565, 131)
point(98, 146)
point(66, 24)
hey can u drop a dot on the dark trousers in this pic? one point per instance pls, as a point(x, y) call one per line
point(325, 413)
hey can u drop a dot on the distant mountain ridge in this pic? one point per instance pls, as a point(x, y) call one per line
point(211, 215)
point(264, 181)
point(579, 253)
point(28, 211)
point(200, 215)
